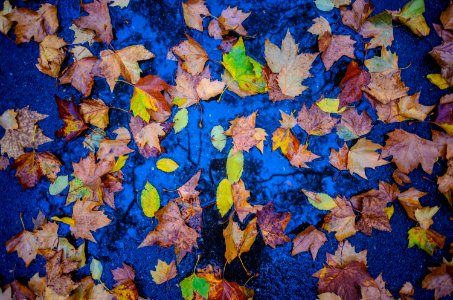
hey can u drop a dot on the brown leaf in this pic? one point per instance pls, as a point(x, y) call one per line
point(186, 87)
point(231, 20)
point(189, 203)
point(310, 239)
point(341, 220)
point(400, 178)
point(345, 274)
point(241, 206)
point(333, 47)
point(20, 291)
point(87, 218)
point(142, 136)
point(32, 166)
point(292, 68)
point(95, 112)
point(272, 225)
point(164, 272)
point(238, 241)
point(214, 30)
point(27, 243)
point(193, 11)
point(90, 171)
point(373, 215)
point(245, 135)
point(379, 28)
point(386, 88)
point(51, 55)
point(353, 125)
point(193, 55)
point(27, 135)
point(355, 17)
point(376, 291)
point(150, 136)
point(73, 122)
point(440, 279)
point(445, 113)
point(79, 75)
point(352, 84)
point(172, 230)
point(109, 149)
point(223, 289)
point(123, 62)
point(446, 17)
point(315, 121)
point(409, 150)
point(34, 25)
point(339, 159)
point(207, 89)
point(363, 155)
point(58, 276)
point(406, 291)
point(123, 275)
point(410, 201)
point(302, 156)
point(98, 20)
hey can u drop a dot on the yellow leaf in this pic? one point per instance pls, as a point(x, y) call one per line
point(438, 80)
point(330, 105)
point(389, 211)
point(141, 101)
point(167, 165)
point(150, 200)
point(234, 165)
point(164, 272)
point(224, 199)
point(66, 220)
point(320, 200)
point(120, 162)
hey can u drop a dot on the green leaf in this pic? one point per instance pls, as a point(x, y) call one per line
point(388, 61)
point(181, 119)
point(324, 5)
point(141, 101)
point(150, 200)
point(224, 199)
point(234, 165)
point(246, 71)
point(96, 269)
point(167, 165)
point(412, 16)
point(59, 185)
point(77, 190)
point(192, 284)
point(427, 240)
point(218, 139)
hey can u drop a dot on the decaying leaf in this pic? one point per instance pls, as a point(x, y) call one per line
point(315, 121)
point(245, 135)
point(95, 112)
point(333, 47)
point(352, 84)
point(98, 20)
point(272, 225)
point(355, 17)
point(32, 166)
point(380, 29)
point(341, 219)
point(193, 55)
point(79, 74)
point(231, 20)
point(238, 241)
point(440, 280)
point(51, 55)
point(73, 122)
point(193, 11)
point(164, 272)
point(310, 239)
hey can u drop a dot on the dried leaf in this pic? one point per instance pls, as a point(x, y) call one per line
point(98, 20)
point(193, 11)
point(32, 166)
point(310, 239)
point(164, 272)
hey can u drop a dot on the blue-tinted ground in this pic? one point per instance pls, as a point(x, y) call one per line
point(159, 25)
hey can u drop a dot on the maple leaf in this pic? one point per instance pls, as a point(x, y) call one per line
point(286, 141)
point(27, 243)
point(272, 225)
point(315, 121)
point(445, 113)
point(386, 63)
point(172, 230)
point(440, 280)
point(189, 203)
point(302, 156)
point(333, 47)
point(310, 239)
point(426, 239)
point(164, 272)
point(246, 72)
point(123, 62)
point(442, 55)
point(410, 201)
point(207, 89)
point(245, 135)
point(148, 136)
point(51, 55)
point(89, 171)
point(5, 24)
point(231, 20)
point(95, 112)
point(73, 122)
point(409, 150)
point(194, 285)
point(386, 88)
point(8, 119)
point(148, 98)
point(292, 68)
point(379, 28)
point(238, 241)
point(98, 20)
point(193, 55)
point(109, 149)
point(352, 84)
point(241, 206)
point(123, 275)
point(82, 35)
point(341, 219)
point(36, 25)
point(26, 135)
point(376, 291)
point(87, 218)
point(58, 277)
point(353, 125)
point(345, 274)
point(406, 291)
point(79, 74)
point(32, 166)
point(193, 10)
point(355, 17)
point(320, 26)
